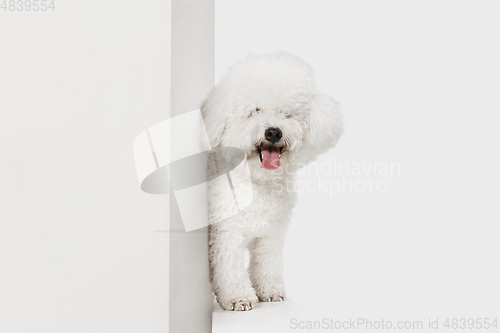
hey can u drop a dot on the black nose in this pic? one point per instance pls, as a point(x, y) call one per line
point(273, 134)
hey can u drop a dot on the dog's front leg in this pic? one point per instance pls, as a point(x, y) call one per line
point(266, 267)
point(230, 280)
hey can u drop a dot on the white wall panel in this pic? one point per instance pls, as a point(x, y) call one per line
point(79, 247)
point(192, 78)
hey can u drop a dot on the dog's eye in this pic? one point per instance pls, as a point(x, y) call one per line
point(285, 114)
point(256, 110)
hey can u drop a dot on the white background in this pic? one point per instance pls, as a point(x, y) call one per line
point(418, 82)
point(78, 247)
point(419, 85)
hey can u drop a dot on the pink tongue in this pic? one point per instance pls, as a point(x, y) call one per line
point(271, 158)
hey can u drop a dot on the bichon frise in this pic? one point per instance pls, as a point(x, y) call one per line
point(267, 106)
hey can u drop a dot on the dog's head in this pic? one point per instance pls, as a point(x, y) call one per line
point(268, 106)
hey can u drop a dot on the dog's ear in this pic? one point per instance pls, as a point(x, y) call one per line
point(215, 111)
point(325, 123)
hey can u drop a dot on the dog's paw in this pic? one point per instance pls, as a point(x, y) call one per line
point(242, 300)
point(272, 298)
point(237, 305)
point(270, 293)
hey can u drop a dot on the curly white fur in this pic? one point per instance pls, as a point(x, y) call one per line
point(271, 90)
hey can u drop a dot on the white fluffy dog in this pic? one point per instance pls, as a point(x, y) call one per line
point(267, 106)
